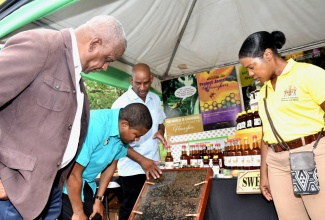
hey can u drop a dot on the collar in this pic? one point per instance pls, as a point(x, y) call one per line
point(75, 52)
point(285, 71)
point(134, 97)
point(114, 130)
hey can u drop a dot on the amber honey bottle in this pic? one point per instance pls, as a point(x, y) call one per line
point(238, 121)
point(243, 120)
point(249, 119)
point(225, 155)
point(194, 158)
point(220, 156)
point(239, 156)
point(169, 160)
point(184, 157)
point(232, 155)
point(256, 154)
point(201, 154)
point(257, 122)
point(247, 153)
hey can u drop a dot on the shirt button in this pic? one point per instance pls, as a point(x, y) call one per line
point(74, 91)
point(57, 87)
point(59, 164)
point(70, 126)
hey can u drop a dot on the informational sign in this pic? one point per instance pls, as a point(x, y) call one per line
point(219, 95)
point(248, 182)
point(184, 125)
point(180, 97)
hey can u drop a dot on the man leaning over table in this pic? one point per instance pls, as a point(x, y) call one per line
point(132, 175)
point(44, 110)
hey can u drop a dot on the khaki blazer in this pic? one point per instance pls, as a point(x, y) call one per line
point(37, 108)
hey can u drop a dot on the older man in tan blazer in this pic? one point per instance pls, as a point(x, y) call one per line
point(44, 110)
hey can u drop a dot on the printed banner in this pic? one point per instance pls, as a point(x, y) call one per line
point(183, 125)
point(219, 98)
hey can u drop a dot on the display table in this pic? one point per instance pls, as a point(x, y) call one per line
point(225, 204)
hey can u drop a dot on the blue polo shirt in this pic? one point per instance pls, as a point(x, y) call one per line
point(101, 146)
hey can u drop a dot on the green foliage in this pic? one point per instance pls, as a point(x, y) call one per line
point(100, 95)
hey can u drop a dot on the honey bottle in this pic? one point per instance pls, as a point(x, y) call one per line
point(201, 155)
point(239, 155)
point(243, 120)
point(184, 157)
point(169, 160)
point(247, 153)
point(256, 154)
point(249, 119)
point(220, 156)
point(225, 155)
point(238, 121)
point(194, 158)
point(232, 155)
point(257, 122)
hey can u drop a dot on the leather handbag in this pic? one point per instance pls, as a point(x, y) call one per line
point(302, 164)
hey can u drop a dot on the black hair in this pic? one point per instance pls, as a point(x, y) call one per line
point(137, 114)
point(256, 43)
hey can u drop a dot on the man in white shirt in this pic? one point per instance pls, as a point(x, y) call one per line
point(132, 175)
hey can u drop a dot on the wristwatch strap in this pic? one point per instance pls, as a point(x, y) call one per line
point(99, 198)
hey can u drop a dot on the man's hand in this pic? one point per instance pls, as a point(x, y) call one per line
point(98, 207)
point(161, 139)
point(3, 194)
point(151, 168)
point(79, 216)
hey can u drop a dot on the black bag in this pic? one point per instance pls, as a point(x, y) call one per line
point(304, 173)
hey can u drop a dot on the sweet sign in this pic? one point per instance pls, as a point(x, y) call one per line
point(248, 182)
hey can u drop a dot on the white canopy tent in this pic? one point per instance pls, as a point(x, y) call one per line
point(182, 37)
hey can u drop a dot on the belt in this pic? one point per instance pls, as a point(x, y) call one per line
point(299, 142)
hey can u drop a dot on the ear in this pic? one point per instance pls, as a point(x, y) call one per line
point(268, 54)
point(95, 43)
point(131, 80)
point(151, 78)
point(124, 124)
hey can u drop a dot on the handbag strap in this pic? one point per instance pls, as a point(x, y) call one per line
point(281, 142)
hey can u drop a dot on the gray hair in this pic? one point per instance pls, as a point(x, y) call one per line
point(108, 28)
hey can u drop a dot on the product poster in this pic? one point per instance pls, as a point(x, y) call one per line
point(219, 98)
point(248, 86)
point(180, 96)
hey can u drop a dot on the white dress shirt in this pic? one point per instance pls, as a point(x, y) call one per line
point(72, 146)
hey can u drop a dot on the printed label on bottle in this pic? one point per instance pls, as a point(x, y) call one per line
point(249, 123)
point(234, 161)
point(193, 162)
point(200, 162)
point(240, 161)
point(169, 165)
point(183, 163)
point(256, 160)
point(257, 122)
point(248, 161)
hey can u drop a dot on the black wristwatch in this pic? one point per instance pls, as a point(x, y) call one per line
point(99, 197)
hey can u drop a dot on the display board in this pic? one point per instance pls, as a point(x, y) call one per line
point(178, 194)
